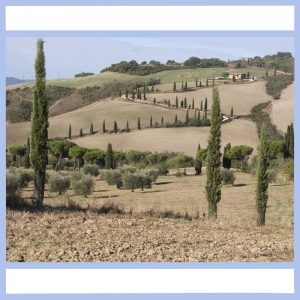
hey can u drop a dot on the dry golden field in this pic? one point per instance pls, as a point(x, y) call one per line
point(70, 235)
point(282, 110)
point(184, 140)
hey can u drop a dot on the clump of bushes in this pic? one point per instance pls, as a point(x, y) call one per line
point(59, 183)
point(82, 184)
point(276, 84)
point(288, 169)
point(228, 177)
point(92, 170)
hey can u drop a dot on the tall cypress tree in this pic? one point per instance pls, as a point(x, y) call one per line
point(196, 82)
point(162, 122)
point(262, 178)
point(187, 117)
point(27, 155)
point(70, 131)
point(115, 127)
point(91, 128)
point(201, 106)
point(185, 86)
point(185, 103)
point(182, 88)
point(151, 122)
point(39, 126)
point(226, 159)
point(109, 157)
point(213, 159)
point(231, 112)
point(193, 104)
point(139, 123)
point(174, 86)
point(198, 117)
point(103, 127)
point(175, 121)
point(176, 102)
point(127, 127)
point(80, 132)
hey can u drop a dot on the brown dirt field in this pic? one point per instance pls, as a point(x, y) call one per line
point(185, 140)
point(64, 235)
point(282, 111)
point(110, 110)
point(242, 97)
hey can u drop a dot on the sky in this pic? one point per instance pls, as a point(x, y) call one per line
point(66, 57)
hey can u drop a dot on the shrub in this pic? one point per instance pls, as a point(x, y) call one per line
point(24, 176)
point(13, 190)
point(113, 177)
point(152, 173)
point(228, 177)
point(90, 170)
point(276, 84)
point(58, 183)
point(82, 184)
point(163, 169)
point(129, 181)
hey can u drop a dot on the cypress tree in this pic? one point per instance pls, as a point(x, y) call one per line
point(198, 161)
point(291, 144)
point(231, 112)
point(200, 84)
point(193, 104)
point(213, 81)
point(154, 101)
point(169, 103)
point(91, 129)
point(248, 75)
point(126, 94)
point(162, 122)
point(151, 122)
point(213, 159)
point(262, 178)
point(199, 147)
point(182, 88)
point(27, 155)
point(176, 102)
point(201, 106)
point(185, 103)
point(80, 132)
point(198, 115)
point(109, 157)
point(103, 127)
point(206, 82)
point(185, 86)
point(127, 127)
point(195, 115)
point(175, 121)
point(226, 159)
point(70, 131)
point(181, 103)
point(174, 86)
point(115, 127)
point(187, 117)
point(196, 82)
point(205, 104)
point(139, 123)
point(39, 126)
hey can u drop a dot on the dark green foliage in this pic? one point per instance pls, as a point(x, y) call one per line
point(162, 122)
point(176, 119)
point(82, 184)
point(103, 127)
point(39, 125)
point(204, 62)
point(289, 141)
point(226, 159)
point(213, 159)
point(187, 117)
point(262, 178)
point(115, 127)
point(18, 151)
point(174, 86)
point(94, 156)
point(288, 169)
point(91, 129)
point(77, 153)
point(154, 101)
point(185, 103)
point(151, 122)
point(70, 132)
point(275, 84)
point(26, 160)
point(180, 161)
point(201, 106)
point(109, 157)
point(231, 112)
point(84, 74)
point(198, 161)
point(80, 132)
point(193, 104)
point(181, 103)
point(58, 183)
point(139, 124)
point(260, 117)
point(191, 123)
point(185, 86)
point(239, 152)
point(198, 117)
point(176, 105)
point(275, 149)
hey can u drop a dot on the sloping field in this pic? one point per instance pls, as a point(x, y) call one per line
point(242, 97)
point(184, 140)
point(282, 111)
point(110, 111)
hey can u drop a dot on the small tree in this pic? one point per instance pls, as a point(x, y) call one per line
point(162, 122)
point(262, 178)
point(231, 112)
point(115, 127)
point(77, 154)
point(80, 132)
point(239, 153)
point(127, 127)
point(27, 155)
point(151, 122)
point(201, 106)
point(174, 86)
point(226, 159)
point(176, 102)
point(154, 101)
point(187, 117)
point(109, 158)
point(139, 123)
point(103, 126)
point(19, 151)
point(198, 161)
point(193, 104)
point(175, 121)
point(185, 103)
point(91, 129)
point(70, 132)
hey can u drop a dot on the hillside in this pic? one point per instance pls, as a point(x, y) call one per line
point(13, 81)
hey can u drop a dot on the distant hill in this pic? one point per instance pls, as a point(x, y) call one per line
point(13, 80)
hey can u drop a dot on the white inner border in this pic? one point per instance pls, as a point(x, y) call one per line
point(149, 18)
point(33, 281)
